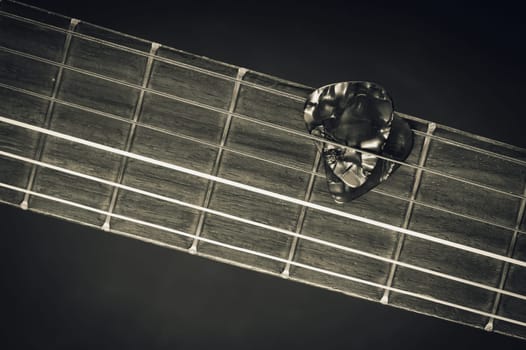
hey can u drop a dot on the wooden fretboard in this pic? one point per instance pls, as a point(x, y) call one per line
point(143, 140)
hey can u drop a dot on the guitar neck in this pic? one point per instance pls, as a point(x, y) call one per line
point(150, 142)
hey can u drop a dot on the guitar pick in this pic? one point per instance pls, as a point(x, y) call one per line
point(359, 115)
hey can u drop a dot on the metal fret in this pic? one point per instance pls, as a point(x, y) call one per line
point(49, 112)
point(505, 269)
point(215, 169)
point(407, 218)
point(301, 218)
point(131, 133)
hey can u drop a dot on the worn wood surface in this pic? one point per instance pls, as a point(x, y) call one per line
point(101, 108)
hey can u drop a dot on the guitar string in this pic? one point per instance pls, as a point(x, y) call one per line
point(296, 235)
point(300, 134)
point(268, 256)
point(247, 83)
point(261, 191)
point(246, 154)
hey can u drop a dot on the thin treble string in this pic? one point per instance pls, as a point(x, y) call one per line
point(258, 224)
point(242, 82)
point(263, 192)
point(265, 256)
point(245, 154)
point(158, 58)
point(264, 123)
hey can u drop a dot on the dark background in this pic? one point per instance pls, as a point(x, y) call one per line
point(65, 285)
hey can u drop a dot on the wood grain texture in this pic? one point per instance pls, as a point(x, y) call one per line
point(40, 41)
point(274, 160)
point(108, 61)
point(27, 74)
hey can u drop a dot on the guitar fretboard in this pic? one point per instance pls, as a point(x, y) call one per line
point(143, 140)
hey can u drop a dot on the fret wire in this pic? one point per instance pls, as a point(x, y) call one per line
point(264, 123)
point(296, 234)
point(505, 269)
point(219, 156)
point(249, 155)
point(409, 211)
point(131, 133)
point(264, 192)
point(49, 114)
point(158, 58)
point(261, 87)
point(268, 256)
point(303, 212)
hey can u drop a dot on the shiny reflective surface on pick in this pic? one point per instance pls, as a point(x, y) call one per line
point(361, 115)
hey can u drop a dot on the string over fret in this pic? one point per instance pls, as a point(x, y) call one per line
point(410, 206)
point(301, 218)
point(217, 162)
point(506, 267)
point(133, 126)
point(49, 112)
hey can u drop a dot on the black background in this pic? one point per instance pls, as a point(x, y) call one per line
point(64, 285)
